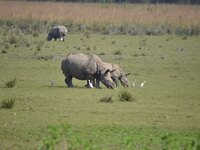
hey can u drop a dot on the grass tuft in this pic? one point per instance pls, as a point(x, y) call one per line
point(118, 52)
point(13, 40)
point(106, 99)
point(126, 96)
point(3, 51)
point(7, 103)
point(11, 83)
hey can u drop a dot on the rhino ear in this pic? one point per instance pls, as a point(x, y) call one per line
point(106, 72)
point(127, 74)
point(112, 70)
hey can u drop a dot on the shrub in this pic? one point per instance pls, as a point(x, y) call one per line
point(26, 42)
point(13, 40)
point(106, 99)
point(7, 103)
point(43, 57)
point(39, 46)
point(3, 51)
point(118, 52)
point(11, 83)
point(87, 34)
point(126, 96)
point(6, 46)
point(102, 53)
point(88, 48)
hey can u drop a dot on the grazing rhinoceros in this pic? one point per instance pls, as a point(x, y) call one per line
point(116, 74)
point(86, 67)
point(57, 32)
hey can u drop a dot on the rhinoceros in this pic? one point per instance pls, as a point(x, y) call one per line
point(116, 74)
point(86, 67)
point(57, 32)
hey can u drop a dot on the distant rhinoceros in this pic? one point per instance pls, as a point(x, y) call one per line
point(116, 74)
point(85, 67)
point(57, 32)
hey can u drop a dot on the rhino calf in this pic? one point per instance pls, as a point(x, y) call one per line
point(85, 67)
point(117, 74)
point(57, 32)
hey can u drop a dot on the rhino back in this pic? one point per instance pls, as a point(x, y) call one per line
point(60, 30)
point(54, 33)
point(63, 30)
point(118, 71)
point(75, 63)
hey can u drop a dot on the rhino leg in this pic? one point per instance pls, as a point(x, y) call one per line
point(68, 81)
point(116, 81)
point(87, 85)
point(93, 82)
point(98, 83)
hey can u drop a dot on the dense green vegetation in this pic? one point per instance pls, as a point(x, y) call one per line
point(37, 27)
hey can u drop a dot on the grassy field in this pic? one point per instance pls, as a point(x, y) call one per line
point(165, 113)
point(38, 111)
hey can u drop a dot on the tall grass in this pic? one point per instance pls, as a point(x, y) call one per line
point(125, 17)
point(49, 11)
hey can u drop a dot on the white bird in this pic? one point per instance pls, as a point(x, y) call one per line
point(52, 82)
point(142, 84)
point(133, 84)
point(90, 84)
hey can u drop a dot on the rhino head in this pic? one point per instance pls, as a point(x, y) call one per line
point(94, 67)
point(106, 79)
point(124, 80)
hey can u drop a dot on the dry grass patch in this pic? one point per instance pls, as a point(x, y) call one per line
point(185, 15)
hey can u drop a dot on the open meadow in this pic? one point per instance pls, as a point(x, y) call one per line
point(38, 111)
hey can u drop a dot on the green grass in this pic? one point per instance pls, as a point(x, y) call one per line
point(117, 137)
point(165, 114)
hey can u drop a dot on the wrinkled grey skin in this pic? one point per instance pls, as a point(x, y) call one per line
point(116, 74)
point(57, 32)
point(85, 67)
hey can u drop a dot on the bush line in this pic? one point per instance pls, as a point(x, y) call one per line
point(37, 27)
